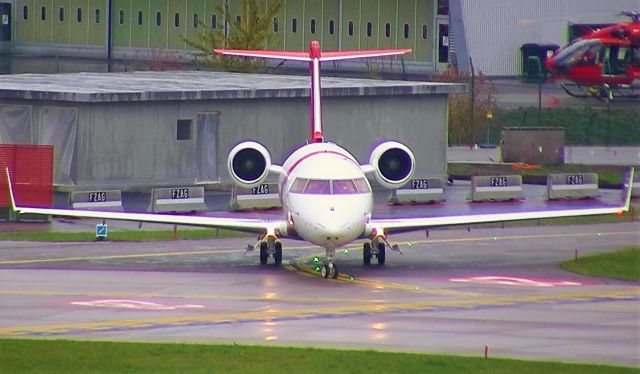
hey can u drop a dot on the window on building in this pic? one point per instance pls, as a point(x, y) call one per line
point(312, 27)
point(331, 27)
point(121, 17)
point(294, 25)
point(238, 20)
point(183, 130)
point(158, 18)
point(425, 32)
point(350, 28)
point(139, 18)
point(61, 14)
point(79, 14)
point(176, 20)
point(387, 29)
point(43, 13)
point(214, 21)
point(406, 31)
point(25, 12)
point(369, 28)
point(195, 20)
point(97, 15)
point(275, 24)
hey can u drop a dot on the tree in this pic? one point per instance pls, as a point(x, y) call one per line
point(252, 30)
point(460, 122)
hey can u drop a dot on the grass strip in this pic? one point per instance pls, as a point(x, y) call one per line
point(623, 264)
point(128, 236)
point(63, 356)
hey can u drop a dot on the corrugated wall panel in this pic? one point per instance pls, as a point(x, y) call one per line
point(495, 29)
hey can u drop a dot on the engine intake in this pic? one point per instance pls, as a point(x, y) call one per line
point(393, 163)
point(249, 164)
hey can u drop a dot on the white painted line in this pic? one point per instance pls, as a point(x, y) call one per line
point(499, 189)
point(180, 201)
point(101, 204)
point(574, 186)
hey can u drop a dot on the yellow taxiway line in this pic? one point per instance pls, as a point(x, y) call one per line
point(307, 312)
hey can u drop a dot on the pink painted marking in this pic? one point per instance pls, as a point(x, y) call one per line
point(499, 280)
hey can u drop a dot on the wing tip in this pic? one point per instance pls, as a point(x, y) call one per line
point(628, 187)
point(12, 198)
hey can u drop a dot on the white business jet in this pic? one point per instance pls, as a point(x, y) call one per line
point(326, 197)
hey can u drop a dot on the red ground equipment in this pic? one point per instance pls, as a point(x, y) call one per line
point(31, 168)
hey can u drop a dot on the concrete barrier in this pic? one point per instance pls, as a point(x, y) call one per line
point(635, 186)
point(264, 196)
point(177, 199)
point(572, 186)
point(418, 190)
point(97, 200)
point(496, 188)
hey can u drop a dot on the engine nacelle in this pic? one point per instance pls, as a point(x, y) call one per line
point(249, 164)
point(393, 163)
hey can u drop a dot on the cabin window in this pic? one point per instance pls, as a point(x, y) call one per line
point(139, 18)
point(331, 27)
point(350, 28)
point(79, 14)
point(183, 130)
point(369, 28)
point(312, 27)
point(158, 18)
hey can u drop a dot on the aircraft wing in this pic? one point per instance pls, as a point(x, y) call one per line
point(239, 224)
point(349, 55)
point(391, 225)
point(296, 56)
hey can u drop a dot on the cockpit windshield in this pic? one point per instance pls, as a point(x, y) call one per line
point(330, 187)
point(582, 52)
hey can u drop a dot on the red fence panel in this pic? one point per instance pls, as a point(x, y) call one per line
point(31, 169)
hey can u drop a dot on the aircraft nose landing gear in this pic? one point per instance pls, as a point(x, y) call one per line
point(329, 270)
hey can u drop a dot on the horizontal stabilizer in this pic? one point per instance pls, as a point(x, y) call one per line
point(306, 56)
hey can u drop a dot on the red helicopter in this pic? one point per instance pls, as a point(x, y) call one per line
point(604, 64)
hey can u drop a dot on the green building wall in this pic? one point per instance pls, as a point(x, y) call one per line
point(164, 24)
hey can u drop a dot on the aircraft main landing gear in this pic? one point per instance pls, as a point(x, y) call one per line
point(270, 247)
point(375, 248)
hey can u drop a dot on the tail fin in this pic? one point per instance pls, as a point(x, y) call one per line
point(314, 57)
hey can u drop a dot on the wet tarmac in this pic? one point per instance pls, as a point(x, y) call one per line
point(453, 292)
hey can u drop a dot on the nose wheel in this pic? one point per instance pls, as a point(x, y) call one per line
point(377, 249)
point(329, 270)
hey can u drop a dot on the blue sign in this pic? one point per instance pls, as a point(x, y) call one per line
point(101, 231)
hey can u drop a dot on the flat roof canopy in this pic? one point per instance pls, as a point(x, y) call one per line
point(198, 85)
